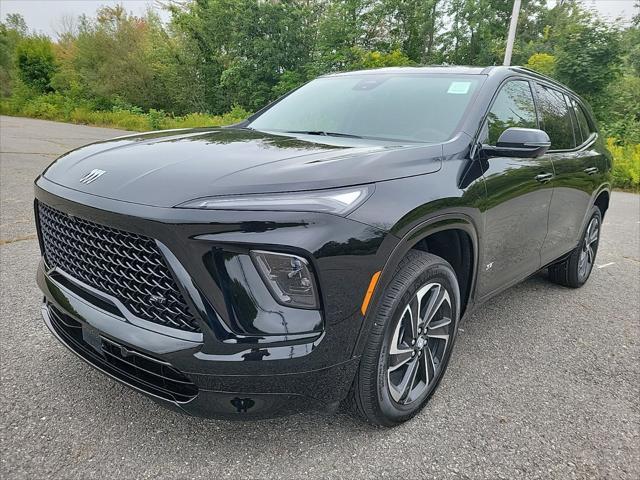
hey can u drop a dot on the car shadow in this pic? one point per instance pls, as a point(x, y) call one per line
point(105, 401)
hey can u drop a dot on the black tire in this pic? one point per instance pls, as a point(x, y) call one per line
point(571, 271)
point(374, 395)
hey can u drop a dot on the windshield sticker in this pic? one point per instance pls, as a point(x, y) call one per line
point(459, 88)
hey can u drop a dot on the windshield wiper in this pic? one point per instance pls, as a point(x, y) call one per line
point(323, 133)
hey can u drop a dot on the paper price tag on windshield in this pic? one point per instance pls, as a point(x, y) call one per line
point(459, 88)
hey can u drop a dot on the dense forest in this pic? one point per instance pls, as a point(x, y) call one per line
point(216, 60)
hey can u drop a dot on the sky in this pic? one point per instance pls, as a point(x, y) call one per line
point(612, 9)
point(45, 16)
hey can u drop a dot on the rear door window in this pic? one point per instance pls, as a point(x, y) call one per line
point(513, 107)
point(556, 117)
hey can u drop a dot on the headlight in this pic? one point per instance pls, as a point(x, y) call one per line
point(288, 277)
point(339, 201)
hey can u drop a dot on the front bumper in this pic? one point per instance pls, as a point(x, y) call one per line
point(235, 369)
point(217, 396)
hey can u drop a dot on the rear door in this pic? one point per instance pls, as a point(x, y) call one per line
point(576, 165)
point(518, 195)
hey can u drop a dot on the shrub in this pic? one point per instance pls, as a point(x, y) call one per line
point(626, 165)
point(40, 107)
point(196, 120)
point(156, 119)
point(104, 118)
point(120, 105)
point(624, 131)
point(25, 101)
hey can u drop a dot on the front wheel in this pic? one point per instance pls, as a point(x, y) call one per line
point(574, 271)
point(410, 343)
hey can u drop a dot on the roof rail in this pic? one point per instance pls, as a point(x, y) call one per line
point(540, 76)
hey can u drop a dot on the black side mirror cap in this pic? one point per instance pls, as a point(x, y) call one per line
point(519, 142)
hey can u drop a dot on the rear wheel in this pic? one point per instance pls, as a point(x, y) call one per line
point(410, 342)
point(574, 271)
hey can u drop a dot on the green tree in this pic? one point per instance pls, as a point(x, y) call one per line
point(16, 22)
point(344, 25)
point(245, 46)
point(410, 26)
point(631, 45)
point(116, 59)
point(478, 30)
point(620, 103)
point(11, 32)
point(36, 63)
point(588, 57)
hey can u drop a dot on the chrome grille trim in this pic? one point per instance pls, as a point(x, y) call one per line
point(125, 265)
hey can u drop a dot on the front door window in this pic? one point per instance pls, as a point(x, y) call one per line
point(513, 107)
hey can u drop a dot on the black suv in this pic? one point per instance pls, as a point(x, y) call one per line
point(324, 249)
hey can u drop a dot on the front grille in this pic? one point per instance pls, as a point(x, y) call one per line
point(128, 365)
point(126, 265)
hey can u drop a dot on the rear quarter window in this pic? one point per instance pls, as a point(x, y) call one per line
point(585, 129)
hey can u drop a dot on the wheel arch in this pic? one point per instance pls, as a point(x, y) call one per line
point(441, 227)
point(602, 201)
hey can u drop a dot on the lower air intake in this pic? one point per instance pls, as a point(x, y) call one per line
point(134, 368)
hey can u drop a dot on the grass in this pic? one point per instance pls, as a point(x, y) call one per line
point(59, 108)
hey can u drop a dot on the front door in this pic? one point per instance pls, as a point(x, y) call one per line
point(518, 196)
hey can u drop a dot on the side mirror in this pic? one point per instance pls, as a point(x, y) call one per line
point(519, 142)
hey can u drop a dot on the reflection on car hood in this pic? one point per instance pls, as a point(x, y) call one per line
point(170, 167)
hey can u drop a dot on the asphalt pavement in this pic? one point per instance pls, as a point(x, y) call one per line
point(544, 381)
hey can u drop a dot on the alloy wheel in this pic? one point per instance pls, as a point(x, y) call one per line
point(589, 248)
point(419, 343)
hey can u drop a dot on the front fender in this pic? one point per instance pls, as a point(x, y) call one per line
point(430, 226)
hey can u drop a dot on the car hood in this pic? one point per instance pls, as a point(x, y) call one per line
point(170, 167)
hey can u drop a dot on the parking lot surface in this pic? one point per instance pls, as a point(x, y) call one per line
point(544, 381)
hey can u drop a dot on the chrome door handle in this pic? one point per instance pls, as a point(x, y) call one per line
point(544, 177)
point(591, 170)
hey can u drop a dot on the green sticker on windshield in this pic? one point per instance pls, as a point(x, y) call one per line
point(459, 88)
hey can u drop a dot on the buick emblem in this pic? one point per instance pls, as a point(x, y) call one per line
point(92, 175)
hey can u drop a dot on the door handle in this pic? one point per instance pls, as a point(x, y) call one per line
point(591, 170)
point(544, 177)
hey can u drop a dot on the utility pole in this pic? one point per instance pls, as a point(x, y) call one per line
point(512, 32)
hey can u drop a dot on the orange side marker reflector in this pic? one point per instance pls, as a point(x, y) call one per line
point(369, 294)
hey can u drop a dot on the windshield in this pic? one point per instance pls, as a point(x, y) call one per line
point(406, 107)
